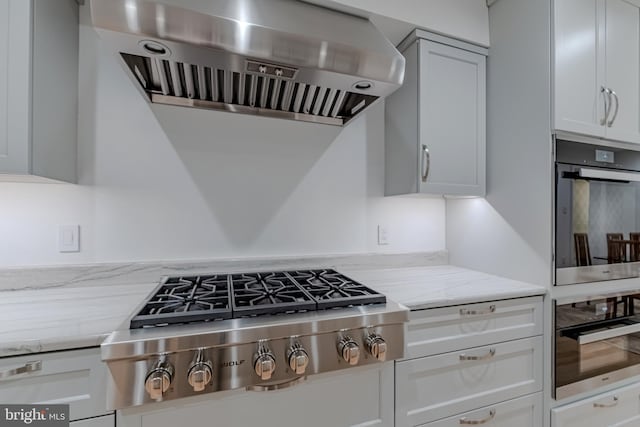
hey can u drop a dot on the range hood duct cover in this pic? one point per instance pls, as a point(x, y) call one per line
point(279, 58)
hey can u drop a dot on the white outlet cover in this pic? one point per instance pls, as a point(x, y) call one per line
point(69, 238)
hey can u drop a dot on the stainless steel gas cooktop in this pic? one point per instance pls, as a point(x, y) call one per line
point(261, 331)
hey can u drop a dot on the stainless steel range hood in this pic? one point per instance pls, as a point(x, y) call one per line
point(278, 58)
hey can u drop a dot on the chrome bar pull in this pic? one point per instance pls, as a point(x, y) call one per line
point(468, 312)
point(25, 369)
point(464, 358)
point(615, 112)
point(465, 421)
point(607, 405)
point(606, 95)
point(426, 162)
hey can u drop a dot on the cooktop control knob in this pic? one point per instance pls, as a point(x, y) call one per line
point(264, 363)
point(200, 372)
point(159, 379)
point(377, 347)
point(298, 359)
point(349, 350)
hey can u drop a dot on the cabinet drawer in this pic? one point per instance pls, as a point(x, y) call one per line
point(431, 388)
point(620, 407)
point(522, 412)
point(77, 378)
point(441, 330)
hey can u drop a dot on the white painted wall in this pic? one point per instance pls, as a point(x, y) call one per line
point(464, 19)
point(509, 233)
point(173, 183)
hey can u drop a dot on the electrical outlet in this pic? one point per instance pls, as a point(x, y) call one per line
point(69, 238)
point(383, 235)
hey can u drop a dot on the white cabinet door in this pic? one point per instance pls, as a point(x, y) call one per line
point(435, 124)
point(446, 329)
point(616, 408)
point(362, 397)
point(38, 88)
point(623, 68)
point(15, 83)
point(77, 378)
point(435, 387)
point(104, 421)
point(597, 68)
point(579, 67)
point(452, 122)
point(522, 412)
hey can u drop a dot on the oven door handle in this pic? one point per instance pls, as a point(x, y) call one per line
point(611, 333)
point(607, 174)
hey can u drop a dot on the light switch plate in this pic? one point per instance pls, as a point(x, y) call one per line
point(69, 238)
point(383, 235)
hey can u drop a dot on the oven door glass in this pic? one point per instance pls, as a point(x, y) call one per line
point(597, 224)
point(596, 338)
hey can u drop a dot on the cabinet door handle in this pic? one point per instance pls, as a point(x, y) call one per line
point(464, 358)
point(467, 312)
point(615, 112)
point(465, 421)
point(606, 95)
point(26, 368)
point(607, 405)
point(426, 162)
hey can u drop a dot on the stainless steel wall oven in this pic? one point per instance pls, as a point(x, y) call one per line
point(597, 341)
point(597, 218)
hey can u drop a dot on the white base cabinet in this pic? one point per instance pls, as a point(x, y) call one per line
point(361, 397)
point(522, 412)
point(616, 408)
point(441, 330)
point(77, 378)
point(476, 362)
point(466, 380)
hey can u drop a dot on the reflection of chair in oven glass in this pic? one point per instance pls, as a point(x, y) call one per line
point(583, 254)
point(634, 247)
point(616, 248)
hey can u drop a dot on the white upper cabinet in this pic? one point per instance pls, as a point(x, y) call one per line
point(38, 89)
point(596, 68)
point(436, 122)
point(623, 69)
point(579, 102)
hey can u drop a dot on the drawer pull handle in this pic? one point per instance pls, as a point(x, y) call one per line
point(492, 415)
point(28, 367)
point(467, 312)
point(489, 355)
point(607, 405)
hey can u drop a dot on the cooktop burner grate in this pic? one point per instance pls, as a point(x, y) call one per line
point(331, 289)
point(268, 293)
point(186, 299)
point(224, 296)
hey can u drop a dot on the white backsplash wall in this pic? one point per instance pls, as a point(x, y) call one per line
point(172, 183)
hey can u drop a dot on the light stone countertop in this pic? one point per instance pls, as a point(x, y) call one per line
point(441, 286)
point(49, 319)
point(66, 317)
